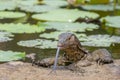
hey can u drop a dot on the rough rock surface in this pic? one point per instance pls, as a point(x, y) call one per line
point(25, 71)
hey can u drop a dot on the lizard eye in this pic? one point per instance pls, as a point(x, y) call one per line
point(69, 38)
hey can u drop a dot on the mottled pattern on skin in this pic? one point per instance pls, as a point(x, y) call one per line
point(102, 56)
point(72, 47)
point(79, 60)
point(75, 53)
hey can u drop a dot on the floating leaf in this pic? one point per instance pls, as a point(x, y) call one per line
point(101, 40)
point(111, 21)
point(93, 40)
point(55, 2)
point(37, 8)
point(10, 55)
point(96, 44)
point(118, 6)
point(65, 15)
point(54, 35)
point(72, 27)
point(38, 43)
point(27, 2)
point(21, 28)
point(5, 36)
point(7, 5)
point(10, 14)
point(98, 7)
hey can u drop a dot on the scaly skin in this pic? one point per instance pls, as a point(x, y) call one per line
point(70, 44)
point(74, 53)
point(102, 56)
point(79, 60)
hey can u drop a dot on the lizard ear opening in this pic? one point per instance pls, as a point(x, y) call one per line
point(72, 38)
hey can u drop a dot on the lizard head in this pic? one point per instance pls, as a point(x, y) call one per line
point(67, 40)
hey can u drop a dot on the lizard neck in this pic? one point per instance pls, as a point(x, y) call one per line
point(74, 53)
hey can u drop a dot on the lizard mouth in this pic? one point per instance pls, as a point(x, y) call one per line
point(60, 46)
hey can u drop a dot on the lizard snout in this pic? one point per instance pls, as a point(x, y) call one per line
point(59, 45)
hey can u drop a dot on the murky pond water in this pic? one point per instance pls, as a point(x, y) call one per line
point(43, 53)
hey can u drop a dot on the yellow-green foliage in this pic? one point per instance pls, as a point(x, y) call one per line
point(99, 1)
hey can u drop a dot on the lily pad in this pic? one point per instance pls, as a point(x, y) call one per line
point(57, 3)
point(93, 40)
point(21, 28)
point(118, 7)
point(10, 55)
point(65, 15)
point(72, 27)
point(37, 8)
point(26, 2)
point(7, 5)
point(112, 21)
point(98, 7)
point(5, 36)
point(54, 35)
point(100, 40)
point(11, 15)
point(38, 43)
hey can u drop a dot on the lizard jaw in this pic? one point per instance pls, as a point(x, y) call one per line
point(60, 45)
